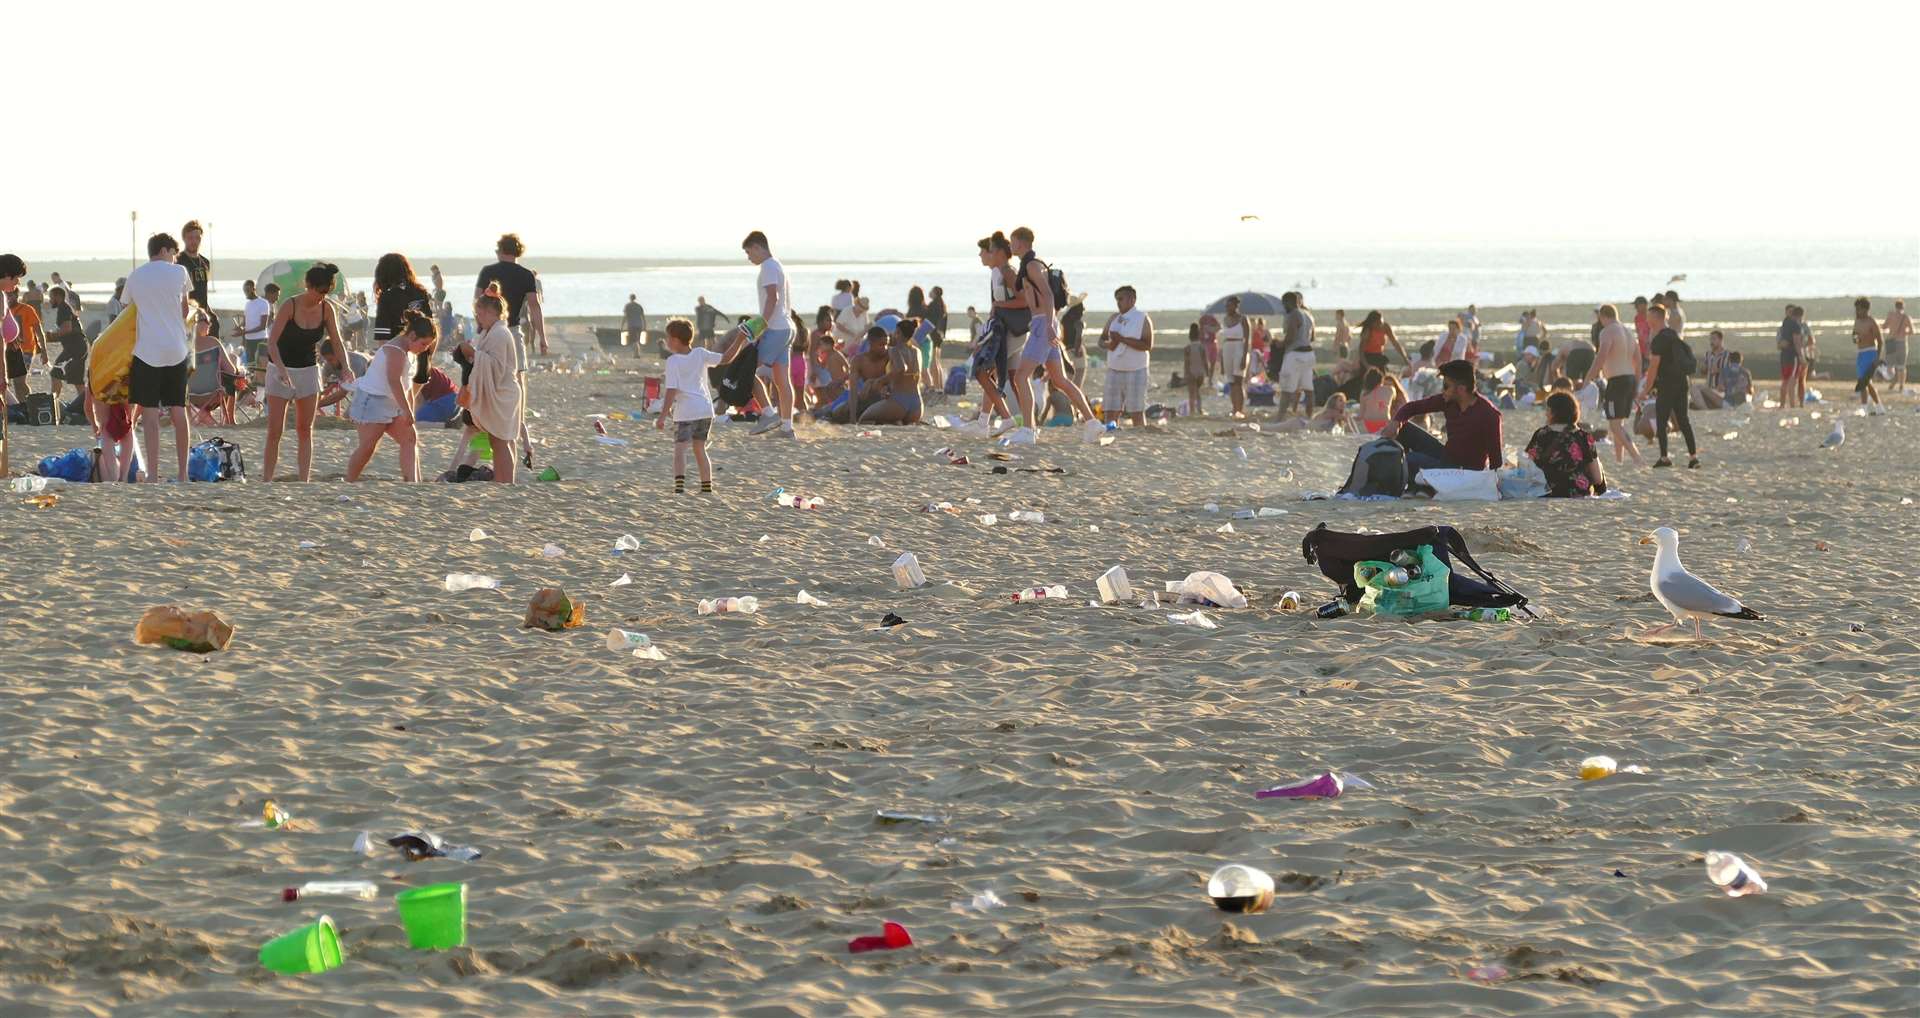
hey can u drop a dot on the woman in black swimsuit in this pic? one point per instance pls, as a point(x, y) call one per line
point(294, 374)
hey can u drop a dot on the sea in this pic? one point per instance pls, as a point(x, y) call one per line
point(1358, 276)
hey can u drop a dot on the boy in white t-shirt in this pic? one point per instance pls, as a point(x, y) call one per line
point(689, 404)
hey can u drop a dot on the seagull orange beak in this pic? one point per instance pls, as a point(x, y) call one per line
point(1648, 539)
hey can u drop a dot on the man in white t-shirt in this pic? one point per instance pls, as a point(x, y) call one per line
point(689, 403)
point(255, 318)
point(1128, 340)
point(775, 347)
point(162, 353)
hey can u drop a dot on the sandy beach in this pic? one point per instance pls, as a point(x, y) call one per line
point(697, 836)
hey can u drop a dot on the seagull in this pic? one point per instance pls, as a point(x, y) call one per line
point(1681, 278)
point(1249, 219)
point(1837, 436)
point(1682, 593)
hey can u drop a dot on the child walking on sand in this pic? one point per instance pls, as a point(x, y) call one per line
point(689, 403)
point(1196, 369)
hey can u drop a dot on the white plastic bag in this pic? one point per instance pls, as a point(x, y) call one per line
point(1451, 485)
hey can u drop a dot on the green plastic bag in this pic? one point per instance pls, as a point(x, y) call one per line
point(1425, 594)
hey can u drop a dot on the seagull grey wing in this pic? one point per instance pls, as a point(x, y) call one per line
point(1687, 593)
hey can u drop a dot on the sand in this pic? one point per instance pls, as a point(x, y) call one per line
point(696, 836)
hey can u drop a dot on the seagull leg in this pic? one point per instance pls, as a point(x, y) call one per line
point(1657, 630)
point(1698, 633)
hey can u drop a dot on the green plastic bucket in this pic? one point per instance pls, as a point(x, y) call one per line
point(314, 947)
point(435, 916)
point(481, 445)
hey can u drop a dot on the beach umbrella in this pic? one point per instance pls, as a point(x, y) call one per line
point(1252, 302)
point(291, 274)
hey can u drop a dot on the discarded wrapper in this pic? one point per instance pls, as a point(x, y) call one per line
point(553, 611)
point(195, 631)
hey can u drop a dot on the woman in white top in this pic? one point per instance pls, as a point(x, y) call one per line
point(1233, 354)
point(383, 397)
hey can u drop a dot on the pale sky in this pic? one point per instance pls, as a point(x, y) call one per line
point(913, 125)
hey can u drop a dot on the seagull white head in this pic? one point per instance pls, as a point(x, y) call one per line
point(1665, 539)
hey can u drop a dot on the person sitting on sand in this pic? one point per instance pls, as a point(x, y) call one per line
point(1473, 425)
point(1737, 380)
point(1380, 396)
point(827, 370)
point(1565, 452)
point(902, 404)
point(492, 397)
point(383, 397)
point(866, 378)
point(1331, 417)
point(334, 387)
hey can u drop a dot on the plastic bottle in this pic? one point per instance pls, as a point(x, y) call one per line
point(365, 890)
point(1731, 874)
point(471, 581)
point(1027, 516)
point(730, 605)
point(1037, 593)
point(623, 639)
point(273, 816)
point(29, 485)
point(1483, 614)
point(792, 501)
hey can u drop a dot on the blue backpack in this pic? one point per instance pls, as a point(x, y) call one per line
point(957, 381)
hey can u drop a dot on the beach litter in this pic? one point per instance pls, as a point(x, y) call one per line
point(1207, 588)
point(1225, 528)
point(1290, 601)
point(1240, 889)
point(626, 543)
point(1027, 516)
point(1040, 593)
point(875, 542)
point(985, 901)
point(894, 817)
point(272, 817)
point(906, 572)
point(314, 947)
point(434, 916)
point(1594, 768)
point(1114, 586)
point(808, 599)
point(730, 606)
point(552, 551)
point(552, 610)
point(1492, 972)
point(1197, 618)
point(627, 640)
point(198, 632)
point(989, 520)
point(889, 620)
point(893, 936)
point(624, 580)
point(476, 535)
point(1731, 874)
point(414, 846)
point(43, 501)
point(1327, 785)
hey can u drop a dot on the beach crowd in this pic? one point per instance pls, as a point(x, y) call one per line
point(1026, 348)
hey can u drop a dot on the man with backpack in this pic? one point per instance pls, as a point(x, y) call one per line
point(1045, 291)
point(1671, 362)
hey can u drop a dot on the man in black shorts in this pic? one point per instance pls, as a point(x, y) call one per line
point(1617, 366)
point(157, 382)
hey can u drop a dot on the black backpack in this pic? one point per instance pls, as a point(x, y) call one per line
point(1379, 468)
point(1683, 360)
point(733, 382)
point(1056, 281)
